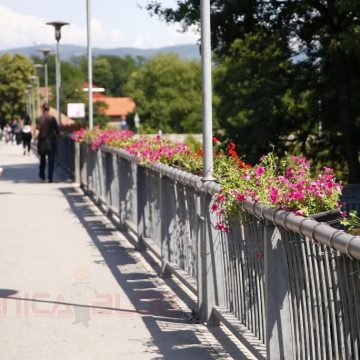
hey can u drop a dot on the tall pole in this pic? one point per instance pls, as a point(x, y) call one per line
point(33, 103)
point(27, 102)
point(208, 160)
point(46, 81)
point(46, 53)
point(58, 25)
point(36, 94)
point(58, 80)
point(27, 94)
point(32, 97)
point(90, 77)
point(37, 67)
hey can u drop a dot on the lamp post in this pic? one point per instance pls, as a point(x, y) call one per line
point(35, 94)
point(29, 89)
point(27, 95)
point(57, 26)
point(37, 67)
point(46, 52)
point(89, 51)
point(208, 159)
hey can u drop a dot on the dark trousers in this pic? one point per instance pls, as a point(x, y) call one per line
point(26, 139)
point(51, 162)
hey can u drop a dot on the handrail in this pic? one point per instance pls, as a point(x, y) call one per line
point(319, 232)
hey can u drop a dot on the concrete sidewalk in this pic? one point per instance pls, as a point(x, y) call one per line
point(72, 286)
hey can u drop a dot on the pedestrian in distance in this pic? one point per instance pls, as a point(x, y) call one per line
point(14, 131)
point(123, 124)
point(6, 132)
point(47, 129)
point(26, 135)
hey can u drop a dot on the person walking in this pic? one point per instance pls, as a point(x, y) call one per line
point(7, 131)
point(14, 130)
point(26, 135)
point(47, 128)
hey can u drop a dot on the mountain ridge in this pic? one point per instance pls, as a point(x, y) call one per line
point(186, 51)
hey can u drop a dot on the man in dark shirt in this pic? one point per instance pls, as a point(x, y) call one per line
point(47, 130)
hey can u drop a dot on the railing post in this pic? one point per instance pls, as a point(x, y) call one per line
point(210, 265)
point(77, 162)
point(141, 204)
point(279, 335)
point(165, 220)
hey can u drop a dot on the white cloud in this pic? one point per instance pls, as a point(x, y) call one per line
point(18, 30)
point(21, 30)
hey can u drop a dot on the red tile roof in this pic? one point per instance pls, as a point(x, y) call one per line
point(118, 106)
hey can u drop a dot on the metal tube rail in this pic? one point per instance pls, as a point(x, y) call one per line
point(319, 232)
point(306, 226)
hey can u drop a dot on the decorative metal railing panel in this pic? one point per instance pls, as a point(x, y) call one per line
point(288, 286)
point(243, 252)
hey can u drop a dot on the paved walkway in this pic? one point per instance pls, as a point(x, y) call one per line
point(72, 286)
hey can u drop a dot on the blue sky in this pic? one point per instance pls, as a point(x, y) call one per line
point(115, 23)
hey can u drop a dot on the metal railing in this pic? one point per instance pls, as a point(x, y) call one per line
point(287, 286)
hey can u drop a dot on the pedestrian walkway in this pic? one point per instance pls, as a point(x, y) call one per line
point(72, 287)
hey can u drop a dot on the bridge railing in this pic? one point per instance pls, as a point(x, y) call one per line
point(287, 286)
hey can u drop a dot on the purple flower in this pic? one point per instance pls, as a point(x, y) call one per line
point(259, 171)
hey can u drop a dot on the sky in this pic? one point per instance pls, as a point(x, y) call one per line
point(115, 23)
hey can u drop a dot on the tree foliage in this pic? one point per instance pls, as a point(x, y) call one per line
point(167, 91)
point(252, 84)
point(319, 40)
point(14, 76)
point(72, 81)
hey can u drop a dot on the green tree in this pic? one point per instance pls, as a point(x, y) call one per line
point(102, 74)
point(121, 70)
point(252, 85)
point(167, 92)
point(14, 76)
point(325, 55)
point(72, 81)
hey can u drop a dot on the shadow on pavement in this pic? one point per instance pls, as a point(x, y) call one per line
point(21, 173)
point(172, 333)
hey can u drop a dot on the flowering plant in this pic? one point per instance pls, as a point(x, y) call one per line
point(286, 184)
point(283, 183)
point(156, 149)
point(352, 223)
point(79, 135)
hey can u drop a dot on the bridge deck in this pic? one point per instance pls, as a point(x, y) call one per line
point(72, 286)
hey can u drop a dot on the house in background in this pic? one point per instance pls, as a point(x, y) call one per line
point(117, 107)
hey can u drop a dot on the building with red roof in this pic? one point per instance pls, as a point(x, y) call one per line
point(116, 107)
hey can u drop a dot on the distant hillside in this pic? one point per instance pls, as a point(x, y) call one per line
point(69, 51)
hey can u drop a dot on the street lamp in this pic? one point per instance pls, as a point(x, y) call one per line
point(90, 77)
point(208, 159)
point(37, 67)
point(27, 95)
point(36, 97)
point(29, 89)
point(57, 26)
point(46, 52)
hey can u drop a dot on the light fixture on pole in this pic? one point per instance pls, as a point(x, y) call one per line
point(208, 159)
point(27, 95)
point(29, 88)
point(57, 26)
point(35, 94)
point(90, 77)
point(46, 52)
point(37, 67)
